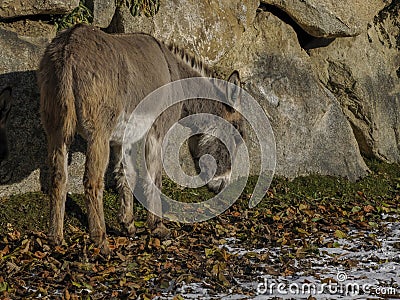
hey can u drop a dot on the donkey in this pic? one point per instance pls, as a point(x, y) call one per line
point(90, 82)
point(5, 107)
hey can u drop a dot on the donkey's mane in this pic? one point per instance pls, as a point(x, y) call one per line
point(191, 60)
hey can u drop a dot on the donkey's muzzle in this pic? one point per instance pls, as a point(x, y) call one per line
point(217, 184)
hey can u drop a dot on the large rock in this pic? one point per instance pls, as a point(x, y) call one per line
point(19, 8)
point(207, 28)
point(330, 18)
point(312, 134)
point(320, 103)
point(363, 73)
point(103, 11)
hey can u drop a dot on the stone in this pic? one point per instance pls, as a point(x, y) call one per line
point(330, 18)
point(364, 74)
point(20, 8)
point(312, 134)
point(103, 11)
point(207, 28)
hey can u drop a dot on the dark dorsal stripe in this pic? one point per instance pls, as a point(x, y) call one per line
point(191, 60)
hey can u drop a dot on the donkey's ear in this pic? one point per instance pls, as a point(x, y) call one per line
point(5, 103)
point(233, 92)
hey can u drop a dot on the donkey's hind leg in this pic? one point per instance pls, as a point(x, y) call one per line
point(97, 157)
point(154, 166)
point(126, 211)
point(58, 158)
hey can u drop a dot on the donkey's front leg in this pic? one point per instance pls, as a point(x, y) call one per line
point(58, 157)
point(126, 211)
point(154, 221)
point(97, 157)
point(153, 185)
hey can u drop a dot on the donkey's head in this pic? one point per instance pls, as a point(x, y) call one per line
point(5, 106)
point(211, 143)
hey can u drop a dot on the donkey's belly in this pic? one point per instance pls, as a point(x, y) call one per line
point(119, 130)
point(131, 130)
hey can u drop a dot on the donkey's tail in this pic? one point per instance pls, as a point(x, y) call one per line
point(55, 80)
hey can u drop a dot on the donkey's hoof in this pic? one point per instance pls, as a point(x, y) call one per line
point(104, 248)
point(130, 229)
point(161, 231)
point(127, 222)
point(55, 240)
